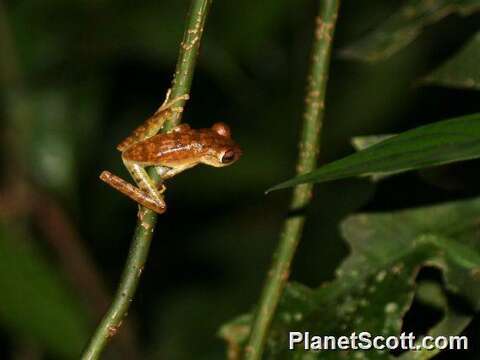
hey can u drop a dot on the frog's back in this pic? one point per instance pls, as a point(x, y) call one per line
point(173, 147)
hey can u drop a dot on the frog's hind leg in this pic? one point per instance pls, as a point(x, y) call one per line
point(133, 192)
point(145, 183)
point(154, 123)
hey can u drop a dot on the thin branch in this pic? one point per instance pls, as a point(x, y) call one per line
point(146, 218)
point(308, 154)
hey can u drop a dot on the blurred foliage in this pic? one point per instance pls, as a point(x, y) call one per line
point(374, 286)
point(93, 71)
point(462, 69)
point(406, 24)
point(35, 303)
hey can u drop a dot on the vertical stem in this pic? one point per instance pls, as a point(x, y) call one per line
point(307, 158)
point(187, 58)
point(146, 218)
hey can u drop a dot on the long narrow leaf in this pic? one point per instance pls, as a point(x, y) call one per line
point(430, 145)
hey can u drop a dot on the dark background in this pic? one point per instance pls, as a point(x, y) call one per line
point(94, 70)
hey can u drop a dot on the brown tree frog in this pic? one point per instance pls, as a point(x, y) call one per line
point(170, 153)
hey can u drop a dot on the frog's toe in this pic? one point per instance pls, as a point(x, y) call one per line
point(161, 188)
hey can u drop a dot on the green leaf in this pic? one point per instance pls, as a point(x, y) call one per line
point(35, 302)
point(360, 143)
point(461, 70)
point(430, 145)
point(375, 285)
point(404, 26)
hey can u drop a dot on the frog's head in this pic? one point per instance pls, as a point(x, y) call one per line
point(223, 151)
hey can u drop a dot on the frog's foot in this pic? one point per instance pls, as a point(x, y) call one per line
point(161, 188)
point(167, 96)
point(133, 192)
point(169, 104)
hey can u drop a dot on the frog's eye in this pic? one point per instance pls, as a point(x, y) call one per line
point(221, 129)
point(228, 156)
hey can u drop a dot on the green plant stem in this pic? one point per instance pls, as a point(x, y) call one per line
point(138, 253)
point(308, 154)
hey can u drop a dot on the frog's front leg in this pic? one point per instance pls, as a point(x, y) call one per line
point(153, 124)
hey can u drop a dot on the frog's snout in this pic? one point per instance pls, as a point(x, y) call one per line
point(231, 155)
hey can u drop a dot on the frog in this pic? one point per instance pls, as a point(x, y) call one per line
point(169, 153)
